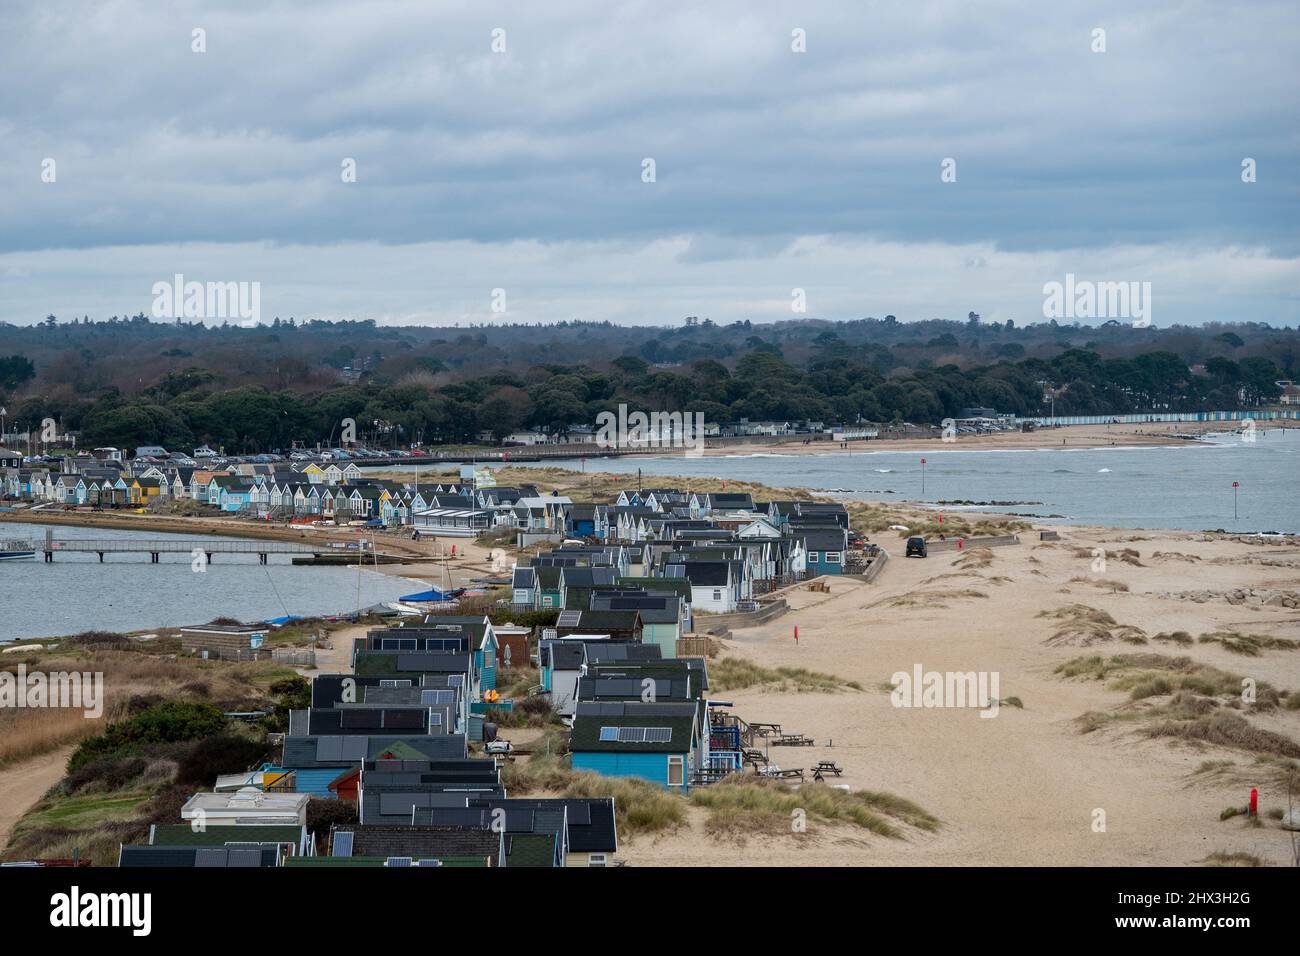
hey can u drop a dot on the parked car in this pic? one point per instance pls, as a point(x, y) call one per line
point(916, 546)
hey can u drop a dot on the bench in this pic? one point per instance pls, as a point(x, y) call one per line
point(827, 767)
point(776, 773)
point(792, 740)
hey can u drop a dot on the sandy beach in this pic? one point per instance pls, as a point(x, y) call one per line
point(1069, 436)
point(1025, 787)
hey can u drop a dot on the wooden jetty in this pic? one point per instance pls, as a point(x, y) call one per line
point(155, 547)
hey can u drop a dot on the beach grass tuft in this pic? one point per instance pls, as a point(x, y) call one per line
point(1082, 625)
point(1248, 645)
point(738, 673)
point(1226, 729)
point(1226, 858)
point(746, 803)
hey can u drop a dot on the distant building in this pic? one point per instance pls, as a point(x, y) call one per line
point(225, 641)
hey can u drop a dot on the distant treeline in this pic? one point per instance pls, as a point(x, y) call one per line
point(132, 382)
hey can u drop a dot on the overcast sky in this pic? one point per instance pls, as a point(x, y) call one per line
point(774, 170)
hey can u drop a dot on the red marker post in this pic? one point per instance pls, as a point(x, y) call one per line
point(1254, 802)
point(796, 633)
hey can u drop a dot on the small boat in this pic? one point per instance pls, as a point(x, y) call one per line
point(433, 595)
point(16, 550)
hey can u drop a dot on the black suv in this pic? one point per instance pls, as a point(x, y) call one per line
point(915, 546)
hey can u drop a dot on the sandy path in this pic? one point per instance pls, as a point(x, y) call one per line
point(23, 784)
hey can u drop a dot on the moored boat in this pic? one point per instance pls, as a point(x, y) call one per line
point(16, 550)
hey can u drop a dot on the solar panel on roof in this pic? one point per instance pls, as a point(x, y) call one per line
point(329, 748)
point(343, 843)
point(398, 861)
point(244, 857)
point(658, 735)
point(395, 804)
point(403, 720)
point(360, 719)
point(568, 619)
point(609, 733)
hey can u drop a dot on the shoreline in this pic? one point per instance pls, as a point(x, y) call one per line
point(1065, 437)
point(422, 567)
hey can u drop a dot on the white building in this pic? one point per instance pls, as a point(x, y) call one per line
point(247, 807)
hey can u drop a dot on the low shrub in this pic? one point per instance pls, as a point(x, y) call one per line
point(108, 773)
point(324, 813)
point(165, 722)
point(210, 757)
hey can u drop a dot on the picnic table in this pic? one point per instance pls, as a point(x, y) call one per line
point(756, 757)
point(766, 730)
point(776, 773)
point(792, 740)
point(825, 767)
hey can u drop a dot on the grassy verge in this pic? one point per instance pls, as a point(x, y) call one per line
point(162, 738)
point(129, 674)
